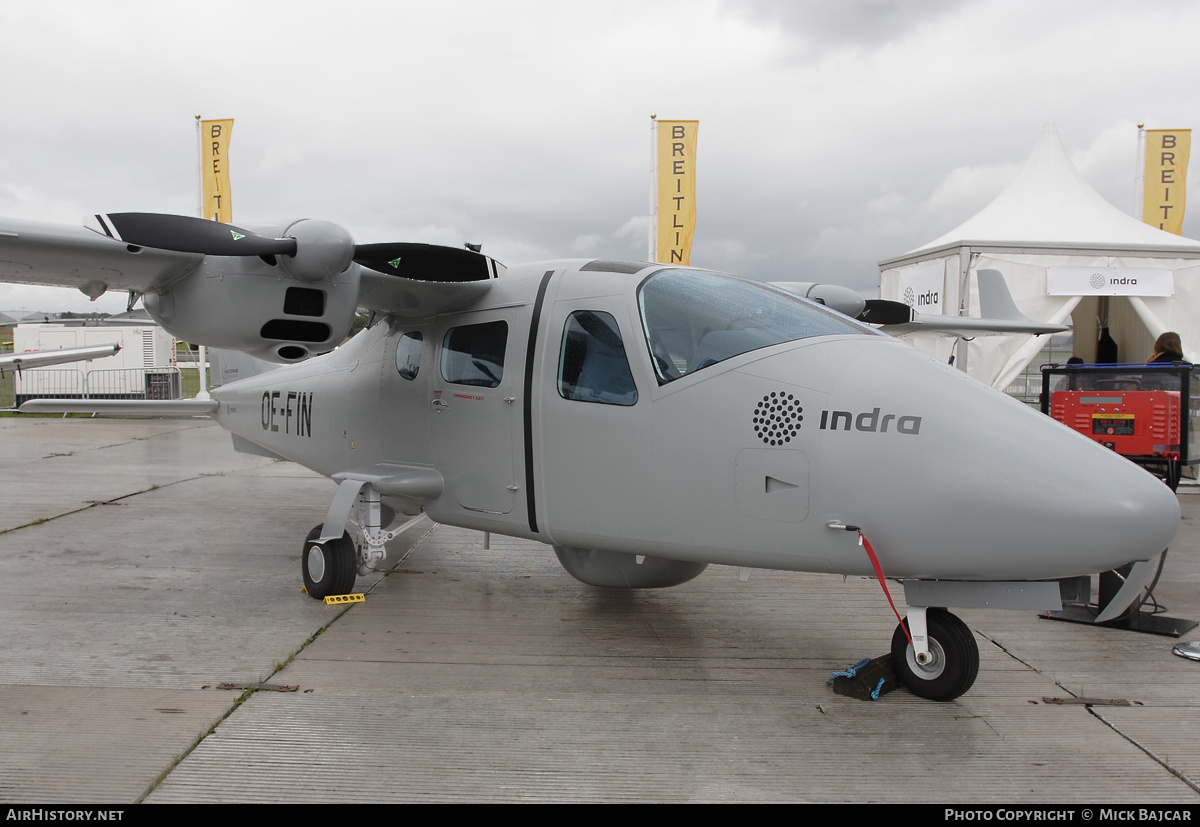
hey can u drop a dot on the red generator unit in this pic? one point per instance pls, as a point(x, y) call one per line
point(1143, 412)
point(1134, 423)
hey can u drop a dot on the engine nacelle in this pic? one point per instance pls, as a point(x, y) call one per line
point(620, 570)
point(259, 307)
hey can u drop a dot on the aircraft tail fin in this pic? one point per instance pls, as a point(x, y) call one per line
point(231, 365)
point(995, 302)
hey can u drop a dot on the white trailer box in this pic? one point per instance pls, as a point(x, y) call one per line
point(144, 368)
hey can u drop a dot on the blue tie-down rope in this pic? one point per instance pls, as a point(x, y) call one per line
point(875, 691)
point(849, 673)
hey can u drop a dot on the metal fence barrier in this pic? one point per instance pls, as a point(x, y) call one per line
point(76, 383)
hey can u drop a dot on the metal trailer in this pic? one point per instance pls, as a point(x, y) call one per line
point(143, 369)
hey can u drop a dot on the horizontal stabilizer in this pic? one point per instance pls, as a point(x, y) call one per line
point(969, 326)
point(123, 407)
point(999, 315)
point(61, 356)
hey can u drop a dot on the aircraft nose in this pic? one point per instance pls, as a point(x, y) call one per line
point(968, 483)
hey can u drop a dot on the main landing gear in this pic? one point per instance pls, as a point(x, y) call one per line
point(330, 566)
point(950, 662)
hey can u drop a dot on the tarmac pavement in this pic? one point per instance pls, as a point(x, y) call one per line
point(143, 564)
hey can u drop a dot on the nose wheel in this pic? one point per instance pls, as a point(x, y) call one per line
point(329, 567)
point(952, 662)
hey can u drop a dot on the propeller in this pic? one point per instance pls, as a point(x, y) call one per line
point(310, 250)
point(185, 234)
point(424, 262)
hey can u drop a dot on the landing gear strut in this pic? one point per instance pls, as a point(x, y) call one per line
point(949, 666)
point(330, 566)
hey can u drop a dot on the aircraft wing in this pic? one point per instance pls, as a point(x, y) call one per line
point(43, 358)
point(281, 296)
point(33, 252)
point(969, 326)
point(408, 297)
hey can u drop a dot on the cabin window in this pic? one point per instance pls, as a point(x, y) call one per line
point(693, 319)
point(592, 366)
point(408, 354)
point(474, 354)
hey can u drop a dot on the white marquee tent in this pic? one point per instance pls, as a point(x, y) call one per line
point(1049, 217)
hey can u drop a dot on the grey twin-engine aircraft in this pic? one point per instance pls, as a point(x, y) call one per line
point(644, 420)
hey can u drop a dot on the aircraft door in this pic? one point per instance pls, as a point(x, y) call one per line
point(475, 410)
point(594, 431)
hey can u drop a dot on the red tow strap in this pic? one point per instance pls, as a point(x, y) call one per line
point(862, 538)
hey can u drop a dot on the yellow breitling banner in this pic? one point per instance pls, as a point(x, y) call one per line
point(676, 190)
point(1163, 199)
point(216, 202)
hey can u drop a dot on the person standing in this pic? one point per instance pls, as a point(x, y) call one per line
point(1167, 348)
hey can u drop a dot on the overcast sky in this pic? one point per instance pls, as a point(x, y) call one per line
point(832, 134)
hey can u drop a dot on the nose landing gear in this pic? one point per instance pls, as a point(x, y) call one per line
point(951, 664)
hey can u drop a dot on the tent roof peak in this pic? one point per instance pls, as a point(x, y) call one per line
point(1050, 202)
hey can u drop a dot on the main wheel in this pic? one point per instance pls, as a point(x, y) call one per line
point(329, 567)
point(955, 658)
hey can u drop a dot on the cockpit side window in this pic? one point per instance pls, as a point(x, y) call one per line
point(474, 354)
point(408, 354)
point(693, 319)
point(592, 366)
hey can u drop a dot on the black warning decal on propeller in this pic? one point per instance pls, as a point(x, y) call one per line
point(287, 411)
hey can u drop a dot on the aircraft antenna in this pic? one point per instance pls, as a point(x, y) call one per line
point(652, 241)
point(199, 171)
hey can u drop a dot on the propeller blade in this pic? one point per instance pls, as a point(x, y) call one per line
point(190, 235)
point(424, 262)
point(882, 311)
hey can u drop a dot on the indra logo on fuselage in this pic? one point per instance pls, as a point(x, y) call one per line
point(870, 421)
point(287, 411)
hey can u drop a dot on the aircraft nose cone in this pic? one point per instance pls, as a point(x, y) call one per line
point(976, 485)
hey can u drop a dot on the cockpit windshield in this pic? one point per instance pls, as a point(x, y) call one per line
point(693, 319)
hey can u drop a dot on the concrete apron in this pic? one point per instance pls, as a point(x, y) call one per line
point(144, 563)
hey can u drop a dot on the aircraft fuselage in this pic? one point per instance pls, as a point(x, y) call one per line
point(521, 402)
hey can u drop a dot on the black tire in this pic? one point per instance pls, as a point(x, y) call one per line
point(1173, 474)
point(955, 662)
point(329, 567)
